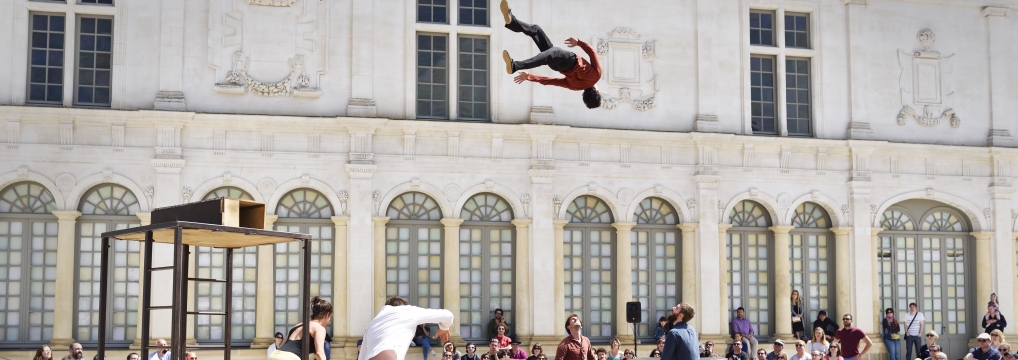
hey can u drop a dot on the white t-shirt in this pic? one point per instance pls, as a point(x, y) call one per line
point(272, 348)
point(394, 327)
point(914, 329)
point(805, 356)
point(818, 346)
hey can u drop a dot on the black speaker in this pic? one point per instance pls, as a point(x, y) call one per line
point(633, 314)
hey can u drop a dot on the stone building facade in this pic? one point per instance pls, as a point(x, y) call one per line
point(856, 151)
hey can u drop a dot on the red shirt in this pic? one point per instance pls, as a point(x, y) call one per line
point(572, 349)
point(849, 338)
point(581, 76)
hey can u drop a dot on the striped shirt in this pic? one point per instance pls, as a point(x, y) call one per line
point(913, 326)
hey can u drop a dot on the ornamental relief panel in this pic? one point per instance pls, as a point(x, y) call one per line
point(628, 64)
point(927, 84)
point(268, 47)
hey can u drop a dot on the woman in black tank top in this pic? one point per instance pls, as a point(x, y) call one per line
point(321, 314)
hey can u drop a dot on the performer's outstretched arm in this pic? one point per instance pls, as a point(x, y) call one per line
point(591, 54)
point(544, 80)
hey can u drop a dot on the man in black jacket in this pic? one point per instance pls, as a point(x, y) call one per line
point(825, 323)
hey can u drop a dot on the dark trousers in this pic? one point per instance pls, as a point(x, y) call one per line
point(556, 58)
point(910, 343)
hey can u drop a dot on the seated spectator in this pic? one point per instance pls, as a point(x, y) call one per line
point(601, 354)
point(471, 353)
point(741, 324)
point(737, 353)
point(800, 351)
point(817, 355)
point(659, 331)
point(535, 351)
point(493, 349)
point(74, 353)
point(1004, 349)
point(708, 350)
point(825, 323)
point(504, 341)
point(514, 349)
point(983, 351)
point(190, 355)
point(628, 354)
point(931, 340)
point(450, 347)
point(661, 344)
point(277, 341)
point(761, 354)
point(993, 320)
point(932, 350)
point(834, 352)
point(615, 352)
point(45, 353)
point(655, 353)
point(737, 339)
point(779, 348)
point(495, 322)
point(818, 342)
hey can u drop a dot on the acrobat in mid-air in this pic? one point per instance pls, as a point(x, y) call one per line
point(578, 73)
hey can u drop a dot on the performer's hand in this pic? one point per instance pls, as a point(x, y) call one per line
point(521, 77)
point(571, 42)
point(442, 334)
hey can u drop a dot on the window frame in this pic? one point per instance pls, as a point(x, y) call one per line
point(805, 232)
point(651, 313)
point(112, 221)
point(26, 294)
point(417, 83)
point(508, 313)
point(303, 224)
point(77, 58)
point(28, 55)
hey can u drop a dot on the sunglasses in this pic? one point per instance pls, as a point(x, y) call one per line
point(846, 319)
point(929, 335)
point(798, 345)
point(983, 340)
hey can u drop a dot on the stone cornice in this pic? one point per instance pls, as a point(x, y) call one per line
point(359, 171)
point(991, 11)
point(67, 215)
point(340, 220)
point(521, 223)
point(623, 226)
point(451, 222)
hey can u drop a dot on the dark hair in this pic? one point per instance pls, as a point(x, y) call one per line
point(485, 356)
point(38, 352)
point(279, 335)
point(537, 346)
point(499, 311)
point(889, 310)
point(913, 304)
point(655, 351)
point(502, 353)
point(741, 308)
point(320, 308)
point(661, 340)
point(396, 301)
point(687, 312)
point(662, 319)
point(135, 354)
point(571, 316)
point(600, 350)
point(592, 98)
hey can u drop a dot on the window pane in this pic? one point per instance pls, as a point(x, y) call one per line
point(124, 279)
point(431, 77)
point(762, 74)
point(47, 59)
point(761, 28)
point(95, 50)
point(473, 65)
point(287, 265)
point(798, 98)
point(473, 13)
point(797, 30)
point(432, 11)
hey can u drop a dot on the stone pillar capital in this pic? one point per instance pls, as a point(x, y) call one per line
point(380, 220)
point(67, 215)
point(841, 231)
point(875, 231)
point(340, 220)
point(723, 228)
point(270, 220)
point(559, 224)
point(687, 227)
point(982, 235)
point(451, 222)
point(623, 226)
point(781, 229)
point(145, 218)
point(522, 223)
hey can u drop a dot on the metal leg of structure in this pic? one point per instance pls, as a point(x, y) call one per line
point(177, 329)
point(306, 294)
point(227, 331)
point(104, 283)
point(185, 263)
point(146, 294)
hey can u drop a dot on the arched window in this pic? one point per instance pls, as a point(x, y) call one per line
point(486, 264)
point(589, 251)
point(413, 250)
point(655, 261)
point(28, 264)
point(107, 207)
point(212, 296)
point(749, 262)
point(228, 191)
point(302, 211)
point(927, 264)
point(811, 260)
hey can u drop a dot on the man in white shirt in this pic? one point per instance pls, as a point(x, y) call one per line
point(914, 322)
point(388, 335)
point(160, 354)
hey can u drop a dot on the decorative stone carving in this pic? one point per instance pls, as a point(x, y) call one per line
point(266, 186)
point(149, 193)
point(282, 3)
point(754, 192)
point(987, 213)
point(525, 200)
point(557, 204)
point(592, 188)
point(844, 210)
point(691, 204)
point(239, 75)
point(927, 85)
point(65, 182)
point(343, 198)
point(415, 184)
point(452, 191)
point(305, 180)
point(22, 173)
point(814, 195)
point(784, 200)
point(187, 193)
point(377, 198)
point(625, 196)
point(107, 175)
point(658, 190)
point(489, 185)
point(227, 179)
point(629, 69)
point(721, 211)
point(930, 193)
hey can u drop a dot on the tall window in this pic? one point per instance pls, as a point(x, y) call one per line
point(780, 61)
point(95, 59)
point(748, 249)
point(811, 261)
point(28, 264)
point(228, 191)
point(925, 262)
point(452, 55)
point(212, 296)
point(46, 59)
point(306, 211)
point(486, 264)
point(588, 248)
point(107, 207)
point(413, 250)
point(655, 264)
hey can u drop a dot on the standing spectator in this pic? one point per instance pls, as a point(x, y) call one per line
point(890, 332)
point(824, 322)
point(779, 348)
point(471, 353)
point(916, 323)
point(615, 350)
point(161, 354)
point(535, 350)
point(495, 322)
point(834, 352)
point(800, 351)
point(575, 346)
point(450, 347)
point(681, 342)
point(74, 352)
point(931, 340)
point(43, 353)
point(993, 320)
point(504, 341)
point(655, 353)
point(849, 337)
point(708, 350)
point(737, 339)
point(983, 351)
point(514, 349)
point(997, 338)
point(277, 341)
point(659, 331)
point(797, 327)
point(818, 342)
point(742, 325)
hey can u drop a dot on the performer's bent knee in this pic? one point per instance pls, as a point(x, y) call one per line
point(385, 355)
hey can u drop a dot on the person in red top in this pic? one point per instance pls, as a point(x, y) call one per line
point(579, 74)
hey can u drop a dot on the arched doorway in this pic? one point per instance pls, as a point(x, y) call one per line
point(811, 260)
point(487, 248)
point(413, 250)
point(656, 261)
point(310, 212)
point(28, 263)
point(749, 262)
point(589, 261)
point(923, 257)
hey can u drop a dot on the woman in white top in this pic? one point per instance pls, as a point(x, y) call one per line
point(818, 343)
point(388, 335)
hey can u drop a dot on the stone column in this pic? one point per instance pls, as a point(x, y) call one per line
point(362, 205)
point(544, 254)
point(560, 294)
point(171, 57)
point(856, 16)
point(842, 278)
point(875, 265)
point(521, 308)
point(722, 300)
point(146, 219)
point(1004, 252)
point(711, 274)
point(64, 306)
point(265, 300)
point(689, 267)
point(623, 278)
point(984, 268)
point(379, 278)
point(451, 274)
point(707, 29)
point(340, 329)
point(1002, 109)
point(362, 103)
point(860, 263)
point(782, 284)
